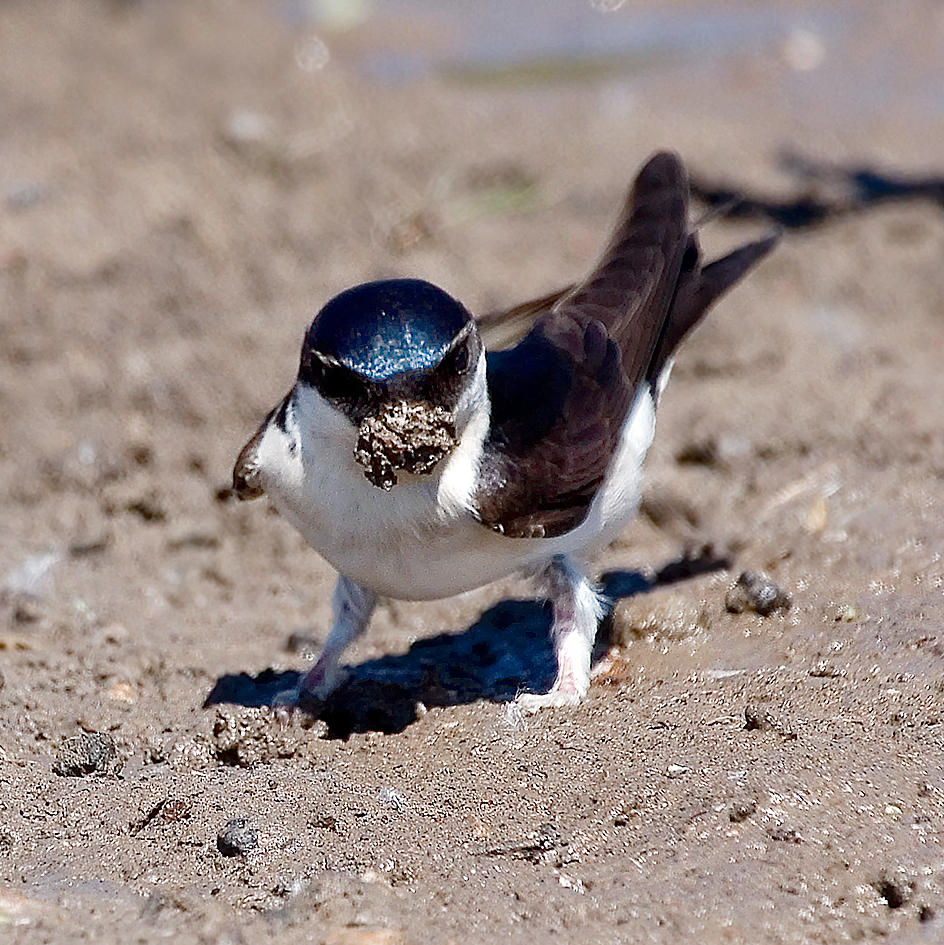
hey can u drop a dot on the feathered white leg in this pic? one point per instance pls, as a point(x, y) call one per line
point(352, 606)
point(577, 610)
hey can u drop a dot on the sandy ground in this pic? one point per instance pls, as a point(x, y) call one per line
point(182, 188)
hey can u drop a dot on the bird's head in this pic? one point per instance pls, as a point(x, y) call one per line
point(403, 362)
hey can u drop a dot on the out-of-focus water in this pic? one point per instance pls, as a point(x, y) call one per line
point(852, 58)
point(564, 39)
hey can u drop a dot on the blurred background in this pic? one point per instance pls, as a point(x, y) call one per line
point(183, 184)
point(212, 171)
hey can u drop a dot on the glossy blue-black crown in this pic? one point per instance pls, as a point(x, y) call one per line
point(384, 328)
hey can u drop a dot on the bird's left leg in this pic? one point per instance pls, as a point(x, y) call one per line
point(577, 611)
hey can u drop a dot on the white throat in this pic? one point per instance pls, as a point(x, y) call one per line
point(407, 542)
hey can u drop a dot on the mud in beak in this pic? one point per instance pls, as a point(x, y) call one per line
point(406, 435)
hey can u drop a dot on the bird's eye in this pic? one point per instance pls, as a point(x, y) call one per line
point(336, 382)
point(459, 360)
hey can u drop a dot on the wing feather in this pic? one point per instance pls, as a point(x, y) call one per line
point(561, 396)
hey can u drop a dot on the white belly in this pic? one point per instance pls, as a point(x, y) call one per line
point(396, 543)
point(419, 541)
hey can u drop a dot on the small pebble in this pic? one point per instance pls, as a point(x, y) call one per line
point(897, 891)
point(676, 771)
point(391, 797)
point(741, 810)
point(121, 692)
point(290, 888)
point(550, 837)
point(784, 835)
point(301, 642)
point(823, 669)
point(87, 754)
point(718, 452)
point(237, 838)
point(26, 609)
point(249, 133)
point(757, 719)
point(148, 508)
point(193, 537)
point(324, 820)
point(756, 592)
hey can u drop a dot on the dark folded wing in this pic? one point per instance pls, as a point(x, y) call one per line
point(558, 402)
point(561, 396)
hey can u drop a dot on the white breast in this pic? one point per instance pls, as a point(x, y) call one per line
point(420, 540)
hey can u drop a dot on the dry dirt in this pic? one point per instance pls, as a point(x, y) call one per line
point(182, 188)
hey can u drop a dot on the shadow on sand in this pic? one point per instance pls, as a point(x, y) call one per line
point(825, 192)
point(505, 652)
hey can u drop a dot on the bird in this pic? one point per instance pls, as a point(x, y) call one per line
point(421, 465)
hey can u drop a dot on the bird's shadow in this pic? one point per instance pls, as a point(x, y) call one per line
point(825, 192)
point(505, 652)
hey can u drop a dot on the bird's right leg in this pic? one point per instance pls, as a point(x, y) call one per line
point(352, 606)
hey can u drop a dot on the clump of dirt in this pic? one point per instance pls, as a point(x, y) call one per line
point(88, 754)
point(403, 435)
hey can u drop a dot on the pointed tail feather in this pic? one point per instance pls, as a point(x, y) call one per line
point(701, 289)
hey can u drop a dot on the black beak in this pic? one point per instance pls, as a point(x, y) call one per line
point(246, 483)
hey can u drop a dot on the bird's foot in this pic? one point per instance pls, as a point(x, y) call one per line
point(312, 689)
point(530, 702)
point(577, 611)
